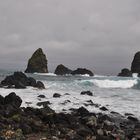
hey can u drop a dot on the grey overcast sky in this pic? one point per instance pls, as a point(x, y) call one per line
point(102, 35)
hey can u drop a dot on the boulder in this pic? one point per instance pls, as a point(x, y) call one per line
point(89, 93)
point(31, 81)
point(13, 99)
point(56, 95)
point(132, 119)
point(44, 104)
point(82, 71)
point(62, 70)
point(103, 108)
point(37, 63)
point(19, 81)
point(41, 96)
point(40, 85)
point(135, 66)
point(125, 73)
point(19, 85)
point(15, 79)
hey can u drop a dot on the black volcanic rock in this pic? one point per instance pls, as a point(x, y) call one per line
point(125, 73)
point(82, 71)
point(19, 81)
point(89, 93)
point(18, 78)
point(40, 85)
point(56, 95)
point(135, 66)
point(13, 99)
point(62, 70)
point(37, 63)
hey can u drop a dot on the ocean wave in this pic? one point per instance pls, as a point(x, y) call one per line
point(106, 83)
point(46, 74)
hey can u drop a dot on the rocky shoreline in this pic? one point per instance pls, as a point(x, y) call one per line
point(19, 123)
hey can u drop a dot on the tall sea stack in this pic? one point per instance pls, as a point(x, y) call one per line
point(135, 67)
point(37, 63)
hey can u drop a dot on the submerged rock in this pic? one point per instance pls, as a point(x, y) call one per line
point(125, 73)
point(37, 63)
point(62, 70)
point(82, 71)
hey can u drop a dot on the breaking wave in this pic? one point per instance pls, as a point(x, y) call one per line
point(106, 83)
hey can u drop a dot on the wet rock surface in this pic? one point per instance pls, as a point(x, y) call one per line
point(19, 123)
point(20, 81)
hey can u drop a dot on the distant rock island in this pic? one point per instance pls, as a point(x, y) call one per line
point(135, 67)
point(125, 73)
point(63, 70)
point(37, 63)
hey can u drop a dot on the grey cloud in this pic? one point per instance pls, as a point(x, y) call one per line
point(102, 35)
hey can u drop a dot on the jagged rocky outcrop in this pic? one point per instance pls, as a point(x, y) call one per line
point(20, 123)
point(82, 71)
point(125, 73)
point(37, 63)
point(62, 70)
point(135, 66)
point(19, 81)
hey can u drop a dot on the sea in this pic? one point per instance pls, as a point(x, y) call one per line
point(117, 94)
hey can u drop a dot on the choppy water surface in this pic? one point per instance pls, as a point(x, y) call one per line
point(116, 93)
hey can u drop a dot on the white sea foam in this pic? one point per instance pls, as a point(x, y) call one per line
point(47, 74)
point(135, 75)
point(106, 83)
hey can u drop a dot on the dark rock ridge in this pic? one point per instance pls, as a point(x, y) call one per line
point(19, 81)
point(125, 73)
point(62, 70)
point(37, 63)
point(82, 71)
point(18, 123)
point(135, 66)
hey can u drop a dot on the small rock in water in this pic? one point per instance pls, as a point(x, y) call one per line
point(42, 96)
point(132, 119)
point(56, 95)
point(89, 93)
point(66, 94)
point(40, 85)
point(46, 103)
point(103, 108)
point(129, 114)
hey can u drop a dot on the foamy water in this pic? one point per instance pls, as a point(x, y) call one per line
point(117, 94)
